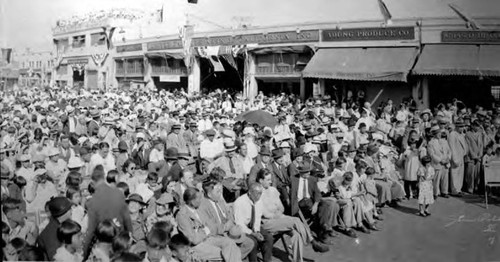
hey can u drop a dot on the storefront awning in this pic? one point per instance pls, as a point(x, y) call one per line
point(363, 64)
point(165, 55)
point(489, 60)
point(280, 49)
point(448, 60)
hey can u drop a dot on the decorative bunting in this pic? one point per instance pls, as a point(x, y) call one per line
point(99, 58)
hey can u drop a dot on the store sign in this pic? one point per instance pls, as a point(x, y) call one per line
point(369, 34)
point(470, 36)
point(170, 78)
point(162, 45)
point(129, 48)
point(269, 38)
point(78, 61)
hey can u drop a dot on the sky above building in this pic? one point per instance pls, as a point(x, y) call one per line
point(28, 23)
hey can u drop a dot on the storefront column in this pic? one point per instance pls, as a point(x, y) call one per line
point(194, 77)
point(319, 88)
point(302, 89)
point(250, 88)
point(420, 93)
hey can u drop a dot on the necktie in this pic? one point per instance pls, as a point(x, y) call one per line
point(222, 218)
point(252, 218)
point(304, 188)
point(231, 165)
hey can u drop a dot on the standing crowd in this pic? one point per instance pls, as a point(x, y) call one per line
point(162, 176)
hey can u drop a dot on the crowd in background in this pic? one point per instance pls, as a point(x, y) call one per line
point(171, 176)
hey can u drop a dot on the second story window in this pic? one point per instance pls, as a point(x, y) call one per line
point(78, 41)
point(97, 39)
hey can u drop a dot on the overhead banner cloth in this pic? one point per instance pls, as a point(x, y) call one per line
point(165, 55)
point(364, 64)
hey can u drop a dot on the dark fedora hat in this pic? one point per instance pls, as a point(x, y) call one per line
point(171, 153)
point(277, 153)
point(264, 151)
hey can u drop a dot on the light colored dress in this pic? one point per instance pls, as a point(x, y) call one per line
point(425, 193)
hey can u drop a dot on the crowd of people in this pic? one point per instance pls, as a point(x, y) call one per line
point(170, 176)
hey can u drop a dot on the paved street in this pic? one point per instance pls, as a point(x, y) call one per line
point(440, 237)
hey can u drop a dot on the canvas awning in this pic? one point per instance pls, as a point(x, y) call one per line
point(165, 55)
point(280, 49)
point(472, 60)
point(363, 64)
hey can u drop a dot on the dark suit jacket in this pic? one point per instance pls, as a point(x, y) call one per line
point(209, 215)
point(190, 226)
point(48, 241)
point(106, 203)
point(252, 177)
point(141, 157)
point(312, 188)
point(93, 128)
point(281, 181)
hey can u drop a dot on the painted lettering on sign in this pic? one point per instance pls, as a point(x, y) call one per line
point(162, 45)
point(269, 38)
point(470, 36)
point(369, 34)
point(78, 61)
point(129, 48)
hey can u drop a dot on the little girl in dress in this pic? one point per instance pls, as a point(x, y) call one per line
point(425, 175)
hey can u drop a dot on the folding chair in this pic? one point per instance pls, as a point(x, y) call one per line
point(491, 178)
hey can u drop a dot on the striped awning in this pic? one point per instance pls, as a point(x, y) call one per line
point(362, 64)
point(467, 60)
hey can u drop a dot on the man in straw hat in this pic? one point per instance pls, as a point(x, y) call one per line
point(440, 153)
point(459, 149)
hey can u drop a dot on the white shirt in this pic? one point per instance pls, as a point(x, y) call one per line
point(210, 149)
point(303, 183)
point(243, 212)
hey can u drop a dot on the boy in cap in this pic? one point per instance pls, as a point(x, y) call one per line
point(20, 226)
point(60, 211)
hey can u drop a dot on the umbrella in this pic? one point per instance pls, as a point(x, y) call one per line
point(259, 117)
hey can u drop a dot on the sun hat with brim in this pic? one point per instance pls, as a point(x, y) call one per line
point(229, 146)
point(38, 158)
point(277, 153)
point(435, 129)
point(53, 152)
point(165, 198)
point(264, 151)
point(75, 162)
point(236, 234)
point(285, 145)
point(459, 123)
point(210, 132)
point(40, 171)
point(304, 168)
point(184, 155)
point(135, 197)
point(58, 206)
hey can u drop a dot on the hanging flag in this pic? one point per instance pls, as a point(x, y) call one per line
point(99, 58)
point(159, 15)
point(186, 35)
point(109, 36)
point(6, 54)
point(226, 52)
point(218, 67)
point(202, 51)
point(236, 49)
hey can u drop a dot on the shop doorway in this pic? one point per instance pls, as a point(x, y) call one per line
point(231, 79)
point(471, 90)
point(78, 78)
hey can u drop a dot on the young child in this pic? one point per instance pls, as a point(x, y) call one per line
point(164, 211)
point(425, 175)
point(102, 250)
point(69, 233)
point(371, 195)
point(79, 214)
